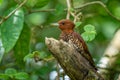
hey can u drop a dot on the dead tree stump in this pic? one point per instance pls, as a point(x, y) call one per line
point(74, 65)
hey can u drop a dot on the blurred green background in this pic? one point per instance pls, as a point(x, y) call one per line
point(22, 36)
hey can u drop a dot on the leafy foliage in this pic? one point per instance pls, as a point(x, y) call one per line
point(89, 33)
point(22, 45)
point(1, 2)
point(77, 24)
point(37, 3)
point(11, 73)
point(22, 34)
point(31, 56)
point(11, 29)
point(21, 76)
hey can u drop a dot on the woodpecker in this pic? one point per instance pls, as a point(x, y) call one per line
point(68, 34)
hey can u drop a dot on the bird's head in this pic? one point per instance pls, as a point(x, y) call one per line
point(66, 25)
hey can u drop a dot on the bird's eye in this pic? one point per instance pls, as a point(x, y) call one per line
point(63, 23)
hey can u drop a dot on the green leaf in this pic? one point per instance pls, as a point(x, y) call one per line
point(4, 76)
point(29, 56)
point(89, 27)
point(34, 54)
point(22, 46)
point(89, 33)
point(21, 76)
point(88, 36)
point(30, 3)
point(11, 29)
point(36, 3)
point(10, 71)
point(77, 24)
point(41, 3)
point(40, 55)
point(1, 2)
point(59, 9)
point(43, 54)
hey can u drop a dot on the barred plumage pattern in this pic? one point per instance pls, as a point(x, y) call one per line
point(68, 33)
point(73, 39)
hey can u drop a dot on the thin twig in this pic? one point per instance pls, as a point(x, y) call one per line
point(72, 13)
point(10, 14)
point(82, 7)
point(25, 6)
point(46, 10)
point(58, 72)
point(100, 3)
point(68, 10)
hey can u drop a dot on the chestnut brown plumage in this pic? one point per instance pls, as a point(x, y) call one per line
point(67, 28)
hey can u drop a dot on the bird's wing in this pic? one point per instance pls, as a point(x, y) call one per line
point(82, 47)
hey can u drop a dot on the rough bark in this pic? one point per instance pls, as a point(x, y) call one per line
point(74, 65)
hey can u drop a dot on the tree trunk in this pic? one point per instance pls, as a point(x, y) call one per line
point(74, 65)
point(110, 62)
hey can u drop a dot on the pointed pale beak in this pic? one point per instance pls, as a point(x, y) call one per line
point(54, 24)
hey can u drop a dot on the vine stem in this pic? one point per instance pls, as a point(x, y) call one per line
point(11, 13)
point(68, 10)
point(68, 3)
point(100, 3)
point(82, 7)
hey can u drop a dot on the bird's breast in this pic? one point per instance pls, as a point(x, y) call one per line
point(66, 37)
point(74, 39)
